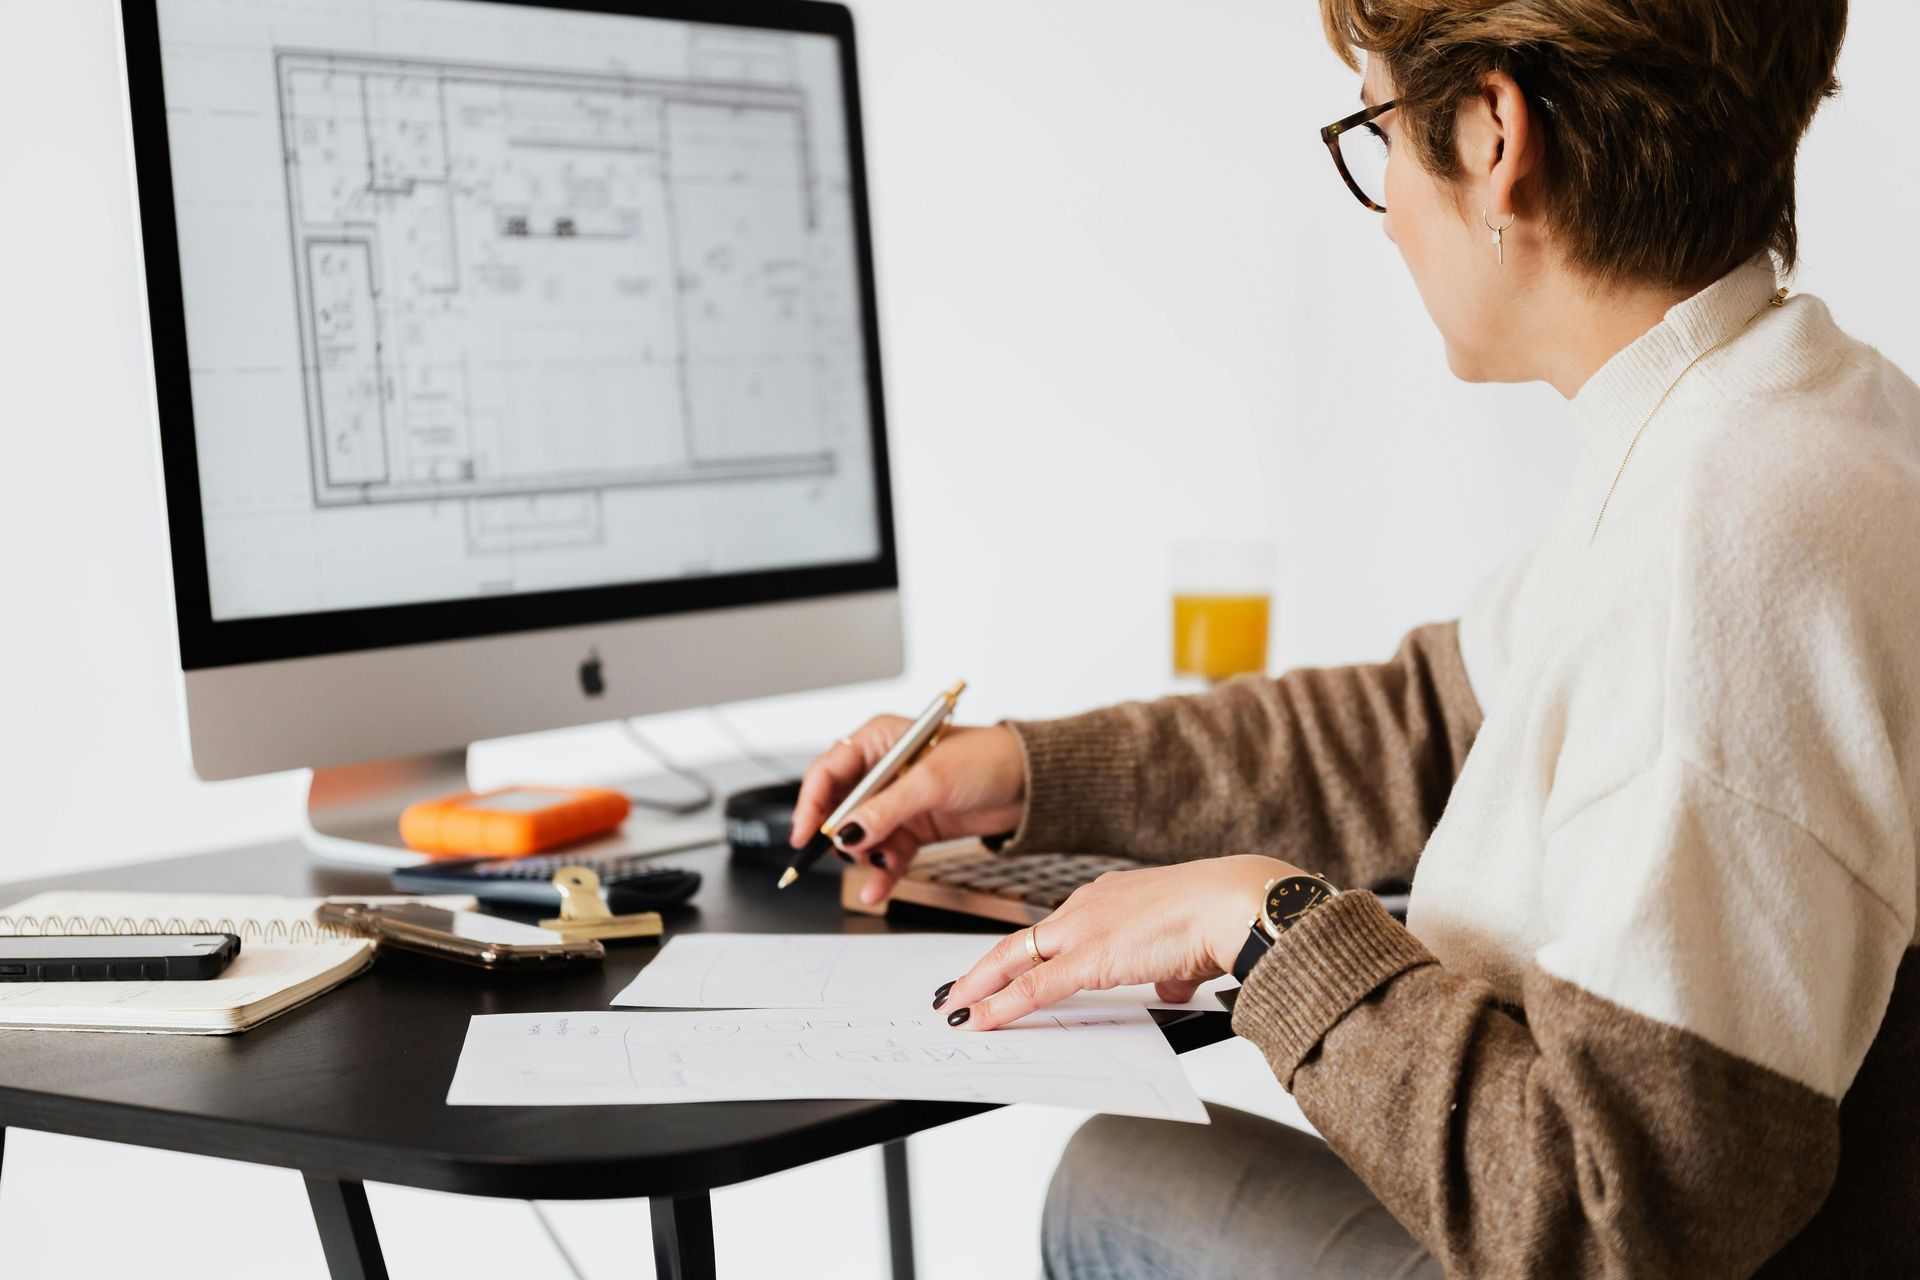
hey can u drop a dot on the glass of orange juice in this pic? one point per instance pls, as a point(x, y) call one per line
point(1222, 601)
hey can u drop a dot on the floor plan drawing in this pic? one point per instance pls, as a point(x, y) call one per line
point(516, 285)
point(1091, 1057)
point(487, 300)
point(827, 971)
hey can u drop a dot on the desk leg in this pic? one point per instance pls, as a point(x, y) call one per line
point(683, 1237)
point(345, 1220)
point(893, 1163)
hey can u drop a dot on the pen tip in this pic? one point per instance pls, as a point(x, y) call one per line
point(788, 876)
point(959, 687)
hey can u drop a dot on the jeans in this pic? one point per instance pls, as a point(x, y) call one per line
point(1244, 1197)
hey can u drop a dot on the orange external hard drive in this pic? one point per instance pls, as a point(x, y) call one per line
point(510, 821)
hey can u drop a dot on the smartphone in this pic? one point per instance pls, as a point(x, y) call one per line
point(486, 942)
point(117, 957)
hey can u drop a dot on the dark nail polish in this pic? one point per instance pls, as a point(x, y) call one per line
point(940, 994)
point(877, 858)
point(959, 1016)
point(849, 835)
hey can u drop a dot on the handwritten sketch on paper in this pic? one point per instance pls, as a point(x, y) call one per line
point(808, 971)
point(1107, 1058)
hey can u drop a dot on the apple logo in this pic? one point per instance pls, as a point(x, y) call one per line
point(591, 682)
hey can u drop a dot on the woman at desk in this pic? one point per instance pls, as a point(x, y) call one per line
point(1656, 1008)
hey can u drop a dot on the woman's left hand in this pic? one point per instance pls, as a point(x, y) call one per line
point(1172, 926)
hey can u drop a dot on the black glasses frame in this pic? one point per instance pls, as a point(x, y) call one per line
point(1331, 134)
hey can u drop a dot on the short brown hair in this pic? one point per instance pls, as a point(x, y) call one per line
point(1671, 125)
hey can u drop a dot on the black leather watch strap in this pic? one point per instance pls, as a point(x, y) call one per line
point(1286, 899)
point(1256, 945)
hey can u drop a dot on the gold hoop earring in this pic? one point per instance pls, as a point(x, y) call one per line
point(1499, 234)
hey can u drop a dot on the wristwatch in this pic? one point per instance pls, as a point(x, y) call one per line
point(1282, 903)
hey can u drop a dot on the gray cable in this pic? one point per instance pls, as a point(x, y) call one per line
point(675, 808)
point(772, 768)
point(559, 1245)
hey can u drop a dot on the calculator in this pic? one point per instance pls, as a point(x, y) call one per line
point(1017, 889)
point(630, 882)
point(967, 878)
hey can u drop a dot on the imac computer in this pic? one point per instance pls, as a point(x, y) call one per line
point(516, 366)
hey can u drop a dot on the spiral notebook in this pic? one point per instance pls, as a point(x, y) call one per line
point(286, 958)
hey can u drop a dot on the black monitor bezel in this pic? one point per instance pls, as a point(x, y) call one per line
point(207, 643)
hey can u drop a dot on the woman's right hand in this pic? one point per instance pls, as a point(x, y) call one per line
point(972, 783)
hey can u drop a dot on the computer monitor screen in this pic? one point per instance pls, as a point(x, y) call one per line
point(475, 317)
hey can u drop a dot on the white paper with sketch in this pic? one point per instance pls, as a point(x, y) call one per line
point(1110, 1059)
point(831, 970)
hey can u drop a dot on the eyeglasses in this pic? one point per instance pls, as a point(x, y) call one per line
point(1359, 150)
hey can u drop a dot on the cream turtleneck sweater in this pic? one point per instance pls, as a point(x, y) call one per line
point(1665, 922)
point(1693, 794)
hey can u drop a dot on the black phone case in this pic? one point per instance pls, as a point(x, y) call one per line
point(122, 968)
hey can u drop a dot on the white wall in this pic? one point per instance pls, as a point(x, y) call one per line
point(1125, 300)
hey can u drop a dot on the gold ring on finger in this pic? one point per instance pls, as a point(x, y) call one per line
point(1033, 944)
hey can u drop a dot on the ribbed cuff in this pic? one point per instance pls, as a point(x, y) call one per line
point(1333, 959)
point(1081, 784)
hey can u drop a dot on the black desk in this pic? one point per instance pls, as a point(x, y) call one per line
point(352, 1087)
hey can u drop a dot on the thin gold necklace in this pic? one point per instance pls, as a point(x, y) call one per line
point(1779, 299)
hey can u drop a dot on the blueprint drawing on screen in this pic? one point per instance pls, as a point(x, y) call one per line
point(569, 299)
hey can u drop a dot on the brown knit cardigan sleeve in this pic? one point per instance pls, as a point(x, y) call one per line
point(1576, 1139)
point(1340, 770)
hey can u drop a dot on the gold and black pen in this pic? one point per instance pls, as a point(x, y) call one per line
point(920, 735)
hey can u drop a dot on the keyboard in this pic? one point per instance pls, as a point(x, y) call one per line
point(967, 879)
point(629, 882)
